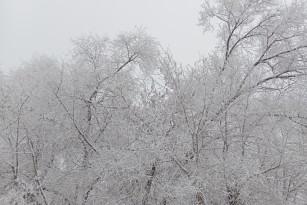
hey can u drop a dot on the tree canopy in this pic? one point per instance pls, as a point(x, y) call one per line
point(119, 121)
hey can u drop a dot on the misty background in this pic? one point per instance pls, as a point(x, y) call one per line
point(47, 26)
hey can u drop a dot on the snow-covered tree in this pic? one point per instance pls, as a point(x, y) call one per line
point(119, 121)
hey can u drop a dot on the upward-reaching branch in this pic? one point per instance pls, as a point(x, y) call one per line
point(76, 126)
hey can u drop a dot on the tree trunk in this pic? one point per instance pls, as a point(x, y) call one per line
point(149, 184)
point(200, 200)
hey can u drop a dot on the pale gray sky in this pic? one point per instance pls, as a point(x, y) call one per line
point(29, 27)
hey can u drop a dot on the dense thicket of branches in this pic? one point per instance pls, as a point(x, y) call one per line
point(119, 122)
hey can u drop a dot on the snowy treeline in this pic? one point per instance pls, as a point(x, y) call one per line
point(118, 121)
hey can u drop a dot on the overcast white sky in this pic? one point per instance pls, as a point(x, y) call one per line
point(30, 27)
